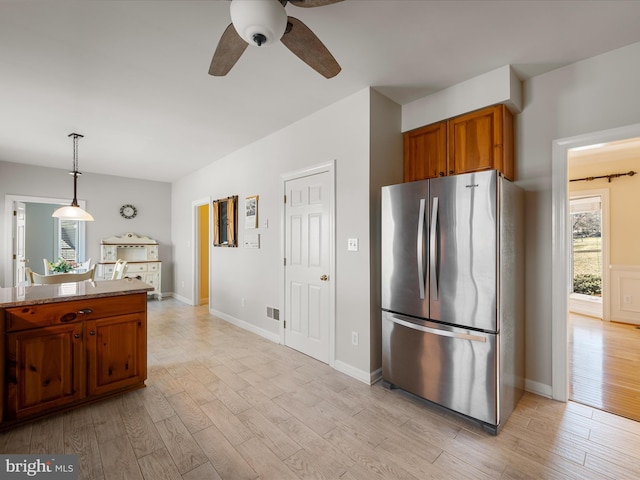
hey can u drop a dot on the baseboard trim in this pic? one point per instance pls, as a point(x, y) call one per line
point(178, 297)
point(376, 376)
point(538, 388)
point(353, 372)
point(274, 337)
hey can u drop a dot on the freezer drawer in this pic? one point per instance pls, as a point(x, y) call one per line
point(451, 366)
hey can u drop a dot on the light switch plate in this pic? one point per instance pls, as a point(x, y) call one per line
point(352, 244)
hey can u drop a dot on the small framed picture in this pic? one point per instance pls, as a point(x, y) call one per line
point(251, 212)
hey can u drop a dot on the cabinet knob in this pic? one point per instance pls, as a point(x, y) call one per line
point(441, 174)
point(92, 332)
point(85, 311)
point(450, 172)
point(77, 335)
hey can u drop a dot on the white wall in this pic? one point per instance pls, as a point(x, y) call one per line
point(386, 169)
point(593, 95)
point(104, 194)
point(340, 132)
point(497, 86)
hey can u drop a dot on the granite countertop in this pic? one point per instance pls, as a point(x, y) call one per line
point(66, 292)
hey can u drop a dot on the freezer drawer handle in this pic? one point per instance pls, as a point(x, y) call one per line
point(435, 331)
point(433, 261)
point(420, 249)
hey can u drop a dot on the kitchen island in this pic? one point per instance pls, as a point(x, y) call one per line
point(69, 344)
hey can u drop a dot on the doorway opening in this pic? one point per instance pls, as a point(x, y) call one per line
point(38, 236)
point(582, 338)
point(200, 240)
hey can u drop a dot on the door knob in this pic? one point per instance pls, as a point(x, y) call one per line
point(324, 278)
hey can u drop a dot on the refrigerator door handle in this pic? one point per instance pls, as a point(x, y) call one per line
point(435, 331)
point(420, 249)
point(432, 249)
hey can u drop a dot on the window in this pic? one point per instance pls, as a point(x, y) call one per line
point(586, 255)
point(68, 240)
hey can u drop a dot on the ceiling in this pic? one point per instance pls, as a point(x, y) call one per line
point(131, 76)
point(618, 151)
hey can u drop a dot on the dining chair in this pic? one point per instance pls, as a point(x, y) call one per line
point(119, 270)
point(47, 266)
point(28, 274)
point(37, 279)
point(84, 266)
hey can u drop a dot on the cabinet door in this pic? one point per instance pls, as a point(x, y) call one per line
point(425, 152)
point(476, 141)
point(109, 253)
point(152, 279)
point(116, 353)
point(45, 369)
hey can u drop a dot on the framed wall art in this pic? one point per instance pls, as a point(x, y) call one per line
point(251, 212)
point(225, 222)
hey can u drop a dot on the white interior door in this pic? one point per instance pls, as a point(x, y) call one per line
point(307, 265)
point(19, 260)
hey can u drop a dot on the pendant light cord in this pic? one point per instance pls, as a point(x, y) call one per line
point(75, 171)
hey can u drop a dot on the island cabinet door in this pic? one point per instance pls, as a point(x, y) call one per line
point(116, 353)
point(45, 369)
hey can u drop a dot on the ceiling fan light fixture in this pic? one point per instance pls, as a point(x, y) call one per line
point(259, 22)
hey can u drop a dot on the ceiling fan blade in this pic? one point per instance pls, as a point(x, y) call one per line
point(312, 3)
point(306, 46)
point(229, 49)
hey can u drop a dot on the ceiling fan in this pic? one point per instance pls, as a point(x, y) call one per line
point(264, 22)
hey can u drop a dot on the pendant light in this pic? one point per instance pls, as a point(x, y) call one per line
point(73, 211)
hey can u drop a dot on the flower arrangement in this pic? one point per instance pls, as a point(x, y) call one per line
point(62, 266)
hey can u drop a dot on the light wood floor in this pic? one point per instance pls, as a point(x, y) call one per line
point(604, 365)
point(225, 403)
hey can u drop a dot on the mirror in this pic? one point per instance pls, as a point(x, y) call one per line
point(225, 222)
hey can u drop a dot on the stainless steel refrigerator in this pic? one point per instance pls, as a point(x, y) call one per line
point(453, 293)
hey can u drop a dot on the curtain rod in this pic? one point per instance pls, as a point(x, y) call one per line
point(609, 177)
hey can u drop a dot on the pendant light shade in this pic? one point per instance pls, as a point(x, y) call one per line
point(73, 211)
point(259, 22)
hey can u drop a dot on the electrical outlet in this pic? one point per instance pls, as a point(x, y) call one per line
point(626, 299)
point(352, 244)
point(354, 338)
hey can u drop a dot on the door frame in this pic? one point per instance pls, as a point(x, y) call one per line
point(560, 245)
point(195, 257)
point(7, 260)
point(328, 167)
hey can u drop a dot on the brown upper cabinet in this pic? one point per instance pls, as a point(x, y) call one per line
point(475, 141)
